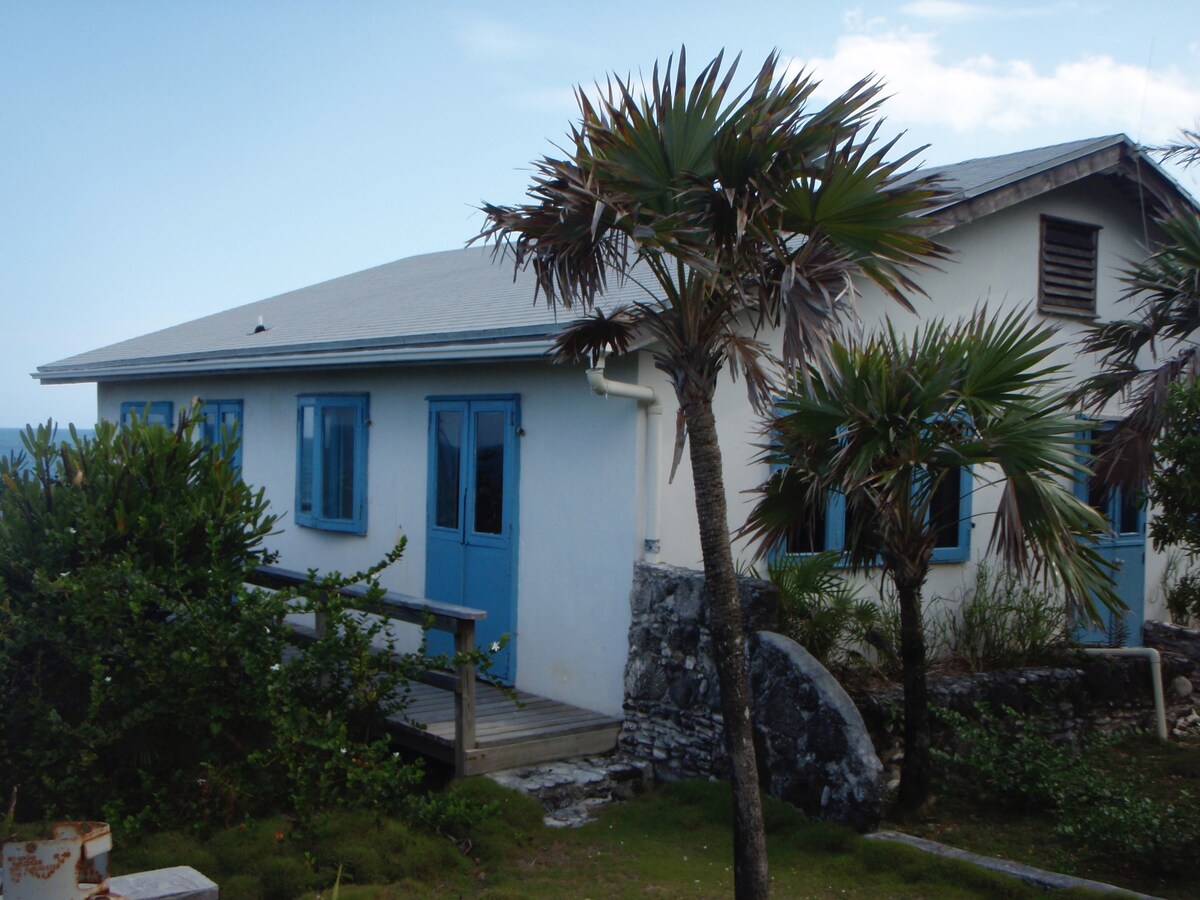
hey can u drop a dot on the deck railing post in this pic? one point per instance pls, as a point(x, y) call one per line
point(464, 695)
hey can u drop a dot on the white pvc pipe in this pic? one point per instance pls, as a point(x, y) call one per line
point(647, 399)
point(1149, 653)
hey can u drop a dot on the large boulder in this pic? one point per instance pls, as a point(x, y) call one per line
point(813, 749)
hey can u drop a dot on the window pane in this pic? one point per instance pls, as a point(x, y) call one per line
point(212, 428)
point(448, 462)
point(307, 430)
point(1128, 513)
point(229, 425)
point(944, 509)
point(808, 534)
point(337, 462)
point(489, 472)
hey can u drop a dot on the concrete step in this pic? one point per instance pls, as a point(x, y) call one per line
point(570, 790)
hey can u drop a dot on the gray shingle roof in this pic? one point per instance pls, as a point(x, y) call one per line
point(460, 304)
point(973, 177)
point(413, 308)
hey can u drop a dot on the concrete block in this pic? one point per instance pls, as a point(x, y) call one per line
point(175, 883)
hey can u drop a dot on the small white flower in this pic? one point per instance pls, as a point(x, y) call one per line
point(70, 530)
point(107, 679)
point(275, 668)
point(343, 751)
point(495, 646)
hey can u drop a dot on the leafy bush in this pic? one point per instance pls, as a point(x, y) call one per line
point(1012, 758)
point(142, 680)
point(1183, 598)
point(1113, 816)
point(1015, 760)
point(822, 612)
point(1005, 621)
point(1175, 481)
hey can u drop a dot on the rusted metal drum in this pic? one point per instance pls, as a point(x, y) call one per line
point(71, 865)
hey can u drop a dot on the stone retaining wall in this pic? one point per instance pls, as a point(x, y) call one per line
point(807, 735)
point(1105, 694)
point(1175, 639)
point(672, 701)
point(812, 747)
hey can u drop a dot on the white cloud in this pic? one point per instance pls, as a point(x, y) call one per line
point(497, 41)
point(1093, 93)
point(954, 11)
point(945, 10)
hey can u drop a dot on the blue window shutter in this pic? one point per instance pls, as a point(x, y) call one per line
point(222, 421)
point(325, 471)
point(157, 412)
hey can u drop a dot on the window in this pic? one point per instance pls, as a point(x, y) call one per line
point(1067, 280)
point(221, 422)
point(157, 412)
point(949, 513)
point(331, 462)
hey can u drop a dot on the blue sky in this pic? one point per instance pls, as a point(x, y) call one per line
point(162, 161)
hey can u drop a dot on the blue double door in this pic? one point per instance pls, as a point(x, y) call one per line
point(471, 517)
point(1123, 545)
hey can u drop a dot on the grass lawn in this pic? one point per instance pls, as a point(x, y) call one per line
point(966, 817)
point(673, 842)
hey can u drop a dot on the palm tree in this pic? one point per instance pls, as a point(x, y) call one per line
point(888, 423)
point(734, 213)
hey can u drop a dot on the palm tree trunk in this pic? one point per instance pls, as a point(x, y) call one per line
point(729, 643)
point(915, 771)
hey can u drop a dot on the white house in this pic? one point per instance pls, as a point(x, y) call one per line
point(416, 397)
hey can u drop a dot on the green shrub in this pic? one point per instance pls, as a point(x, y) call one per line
point(1017, 763)
point(1112, 816)
point(1175, 481)
point(1005, 621)
point(142, 681)
point(1012, 758)
point(822, 612)
point(1183, 598)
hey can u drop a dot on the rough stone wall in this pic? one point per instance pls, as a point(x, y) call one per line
point(1106, 694)
point(672, 701)
point(812, 746)
point(813, 749)
point(1176, 639)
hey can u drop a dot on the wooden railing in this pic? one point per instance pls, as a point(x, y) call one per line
point(457, 620)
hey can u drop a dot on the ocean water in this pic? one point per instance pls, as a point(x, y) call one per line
point(10, 439)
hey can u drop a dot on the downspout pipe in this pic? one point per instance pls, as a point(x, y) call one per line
point(1148, 653)
point(648, 400)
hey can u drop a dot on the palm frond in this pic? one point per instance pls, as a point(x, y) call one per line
point(591, 336)
point(749, 210)
point(887, 419)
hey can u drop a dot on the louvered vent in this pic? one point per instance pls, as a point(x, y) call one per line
point(1068, 275)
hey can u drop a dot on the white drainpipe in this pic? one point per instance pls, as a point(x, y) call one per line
point(1160, 710)
point(647, 399)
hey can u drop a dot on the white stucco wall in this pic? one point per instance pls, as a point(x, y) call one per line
point(994, 260)
point(577, 513)
point(582, 473)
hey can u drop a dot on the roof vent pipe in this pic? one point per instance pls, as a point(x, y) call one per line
point(647, 399)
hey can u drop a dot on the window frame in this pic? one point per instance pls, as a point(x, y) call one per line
point(219, 409)
point(152, 412)
point(835, 525)
point(1046, 293)
point(316, 518)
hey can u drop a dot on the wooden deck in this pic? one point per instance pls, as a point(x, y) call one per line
point(453, 716)
point(506, 734)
